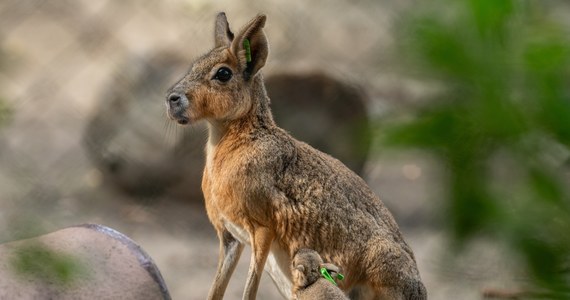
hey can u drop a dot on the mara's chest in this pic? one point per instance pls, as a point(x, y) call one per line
point(223, 171)
point(239, 182)
point(228, 190)
point(224, 194)
point(227, 180)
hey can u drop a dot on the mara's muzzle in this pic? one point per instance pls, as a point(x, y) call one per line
point(177, 104)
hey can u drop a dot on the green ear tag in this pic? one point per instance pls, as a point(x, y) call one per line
point(247, 48)
point(328, 276)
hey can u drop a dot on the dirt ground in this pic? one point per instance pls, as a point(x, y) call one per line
point(59, 59)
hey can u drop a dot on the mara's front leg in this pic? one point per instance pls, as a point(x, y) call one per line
point(261, 240)
point(230, 252)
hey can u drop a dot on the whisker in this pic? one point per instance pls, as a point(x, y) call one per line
point(179, 136)
point(169, 131)
point(166, 129)
point(172, 128)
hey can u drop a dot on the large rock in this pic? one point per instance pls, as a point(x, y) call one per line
point(82, 262)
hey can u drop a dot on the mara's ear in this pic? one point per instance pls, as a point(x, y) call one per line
point(222, 34)
point(250, 47)
point(330, 267)
point(300, 268)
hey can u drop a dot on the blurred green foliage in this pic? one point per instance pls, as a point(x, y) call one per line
point(40, 262)
point(500, 122)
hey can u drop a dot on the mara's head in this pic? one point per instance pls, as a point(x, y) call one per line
point(305, 267)
point(220, 84)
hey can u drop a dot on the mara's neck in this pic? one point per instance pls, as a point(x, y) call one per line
point(259, 117)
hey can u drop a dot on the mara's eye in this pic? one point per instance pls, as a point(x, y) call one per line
point(224, 74)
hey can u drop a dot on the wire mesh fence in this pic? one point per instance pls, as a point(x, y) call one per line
point(83, 81)
point(84, 138)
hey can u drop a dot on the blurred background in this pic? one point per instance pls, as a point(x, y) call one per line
point(457, 113)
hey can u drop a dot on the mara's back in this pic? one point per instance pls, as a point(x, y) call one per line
point(329, 208)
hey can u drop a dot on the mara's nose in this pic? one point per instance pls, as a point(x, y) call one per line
point(174, 98)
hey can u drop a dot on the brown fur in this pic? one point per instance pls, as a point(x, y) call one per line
point(308, 283)
point(263, 187)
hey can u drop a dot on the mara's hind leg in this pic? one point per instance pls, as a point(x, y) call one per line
point(412, 290)
point(392, 272)
point(415, 290)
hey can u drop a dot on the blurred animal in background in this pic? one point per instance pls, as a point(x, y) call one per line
point(264, 188)
point(308, 282)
